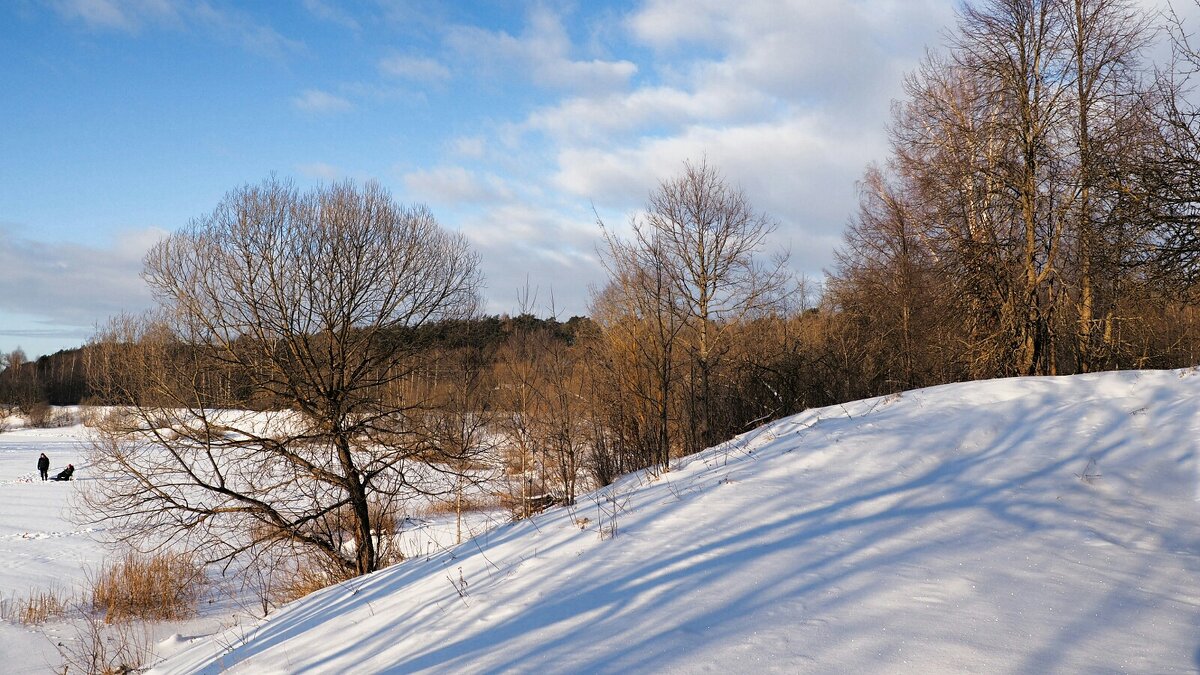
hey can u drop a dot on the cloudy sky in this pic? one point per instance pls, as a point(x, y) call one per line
point(517, 123)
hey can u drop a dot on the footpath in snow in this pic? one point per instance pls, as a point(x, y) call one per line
point(1027, 525)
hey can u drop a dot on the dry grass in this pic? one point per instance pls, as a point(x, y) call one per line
point(36, 608)
point(283, 571)
point(305, 572)
point(100, 648)
point(305, 579)
point(163, 586)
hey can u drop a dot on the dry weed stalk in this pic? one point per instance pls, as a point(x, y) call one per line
point(162, 586)
point(36, 608)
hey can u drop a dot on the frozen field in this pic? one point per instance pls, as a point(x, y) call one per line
point(42, 547)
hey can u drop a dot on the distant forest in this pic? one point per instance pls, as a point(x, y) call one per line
point(61, 379)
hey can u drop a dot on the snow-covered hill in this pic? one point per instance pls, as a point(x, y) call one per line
point(1027, 525)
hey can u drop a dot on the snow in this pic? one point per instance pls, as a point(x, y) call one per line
point(1022, 525)
point(41, 549)
point(44, 546)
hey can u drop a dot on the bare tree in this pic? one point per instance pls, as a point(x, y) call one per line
point(695, 254)
point(1014, 49)
point(1104, 40)
point(304, 301)
point(638, 314)
point(1171, 187)
point(1020, 151)
point(518, 406)
point(561, 426)
point(20, 385)
point(462, 428)
point(887, 282)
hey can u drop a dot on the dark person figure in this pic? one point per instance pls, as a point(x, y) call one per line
point(44, 466)
point(65, 474)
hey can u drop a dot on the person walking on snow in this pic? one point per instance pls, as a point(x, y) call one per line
point(44, 466)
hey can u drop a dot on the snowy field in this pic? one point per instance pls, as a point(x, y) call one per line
point(40, 547)
point(43, 548)
point(1038, 525)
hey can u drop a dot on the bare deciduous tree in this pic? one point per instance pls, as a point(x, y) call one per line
point(690, 272)
point(707, 240)
point(638, 314)
point(462, 428)
point(305, 301)
point(887, 282)
point(1104, 40)
point(1019, 153)
point(1171, 187)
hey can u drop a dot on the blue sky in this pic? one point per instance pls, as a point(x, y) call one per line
point(515, 122)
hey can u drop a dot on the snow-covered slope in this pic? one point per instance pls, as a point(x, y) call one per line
point(1028, 525)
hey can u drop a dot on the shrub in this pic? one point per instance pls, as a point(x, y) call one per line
point(38, 607)
point(538, 498)
point(45, 416)
point(308, 573)
point(162, 586)
point(100, 648)
point(308, 576)
point(92, 416)
point(37, 413)
point(281, 572)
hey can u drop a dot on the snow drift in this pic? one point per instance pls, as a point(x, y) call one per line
point(1024, 525)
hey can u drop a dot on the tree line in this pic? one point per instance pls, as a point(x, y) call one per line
point(1037, 213)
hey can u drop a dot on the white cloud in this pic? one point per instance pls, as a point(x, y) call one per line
point(414, 68)
point(388, 93)
point(224, 24)
point(331, 13)
point(845, 55)
point(70, 288)
point(133, 244)
point(454, 185)
point(122, 15)
point(596, 117)
point(528, 246)
point(317, 101)
point(799, 171)
point(543, 52)
point(667, 23)
point(240, 29)
point(472, 147)
point(772, 159)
